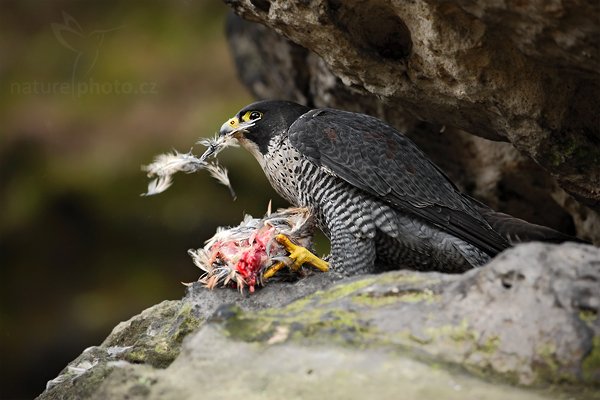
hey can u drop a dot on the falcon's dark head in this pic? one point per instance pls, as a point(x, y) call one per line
point(257, 123)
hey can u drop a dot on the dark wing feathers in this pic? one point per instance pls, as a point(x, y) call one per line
point(374, 157)
point(516, 230)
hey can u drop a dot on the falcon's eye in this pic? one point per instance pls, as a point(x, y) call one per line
point(251, 116)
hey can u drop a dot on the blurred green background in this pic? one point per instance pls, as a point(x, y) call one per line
point(90, 91)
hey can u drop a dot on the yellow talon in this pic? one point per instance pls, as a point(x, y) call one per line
point(273, 269)
point(299, 254)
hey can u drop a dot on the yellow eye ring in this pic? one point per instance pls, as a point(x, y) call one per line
point(251, 116)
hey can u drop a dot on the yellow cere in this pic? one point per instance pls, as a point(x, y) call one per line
point(233, 122)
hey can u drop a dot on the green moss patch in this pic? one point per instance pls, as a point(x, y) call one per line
point(591, 364)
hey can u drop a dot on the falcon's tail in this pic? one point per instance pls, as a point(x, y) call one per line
point(516, 230)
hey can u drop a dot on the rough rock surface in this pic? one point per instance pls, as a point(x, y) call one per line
point(522, 72)
point(419, 335)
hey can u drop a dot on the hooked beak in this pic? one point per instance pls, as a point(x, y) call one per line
point(229, 126)
point(233, 125)
point(228, 129)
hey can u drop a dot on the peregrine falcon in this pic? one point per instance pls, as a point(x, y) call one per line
point(378, 198)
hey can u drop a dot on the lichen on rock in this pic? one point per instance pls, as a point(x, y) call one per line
point(397, 329)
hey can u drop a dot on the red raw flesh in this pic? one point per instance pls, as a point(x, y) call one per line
point(252, 256)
